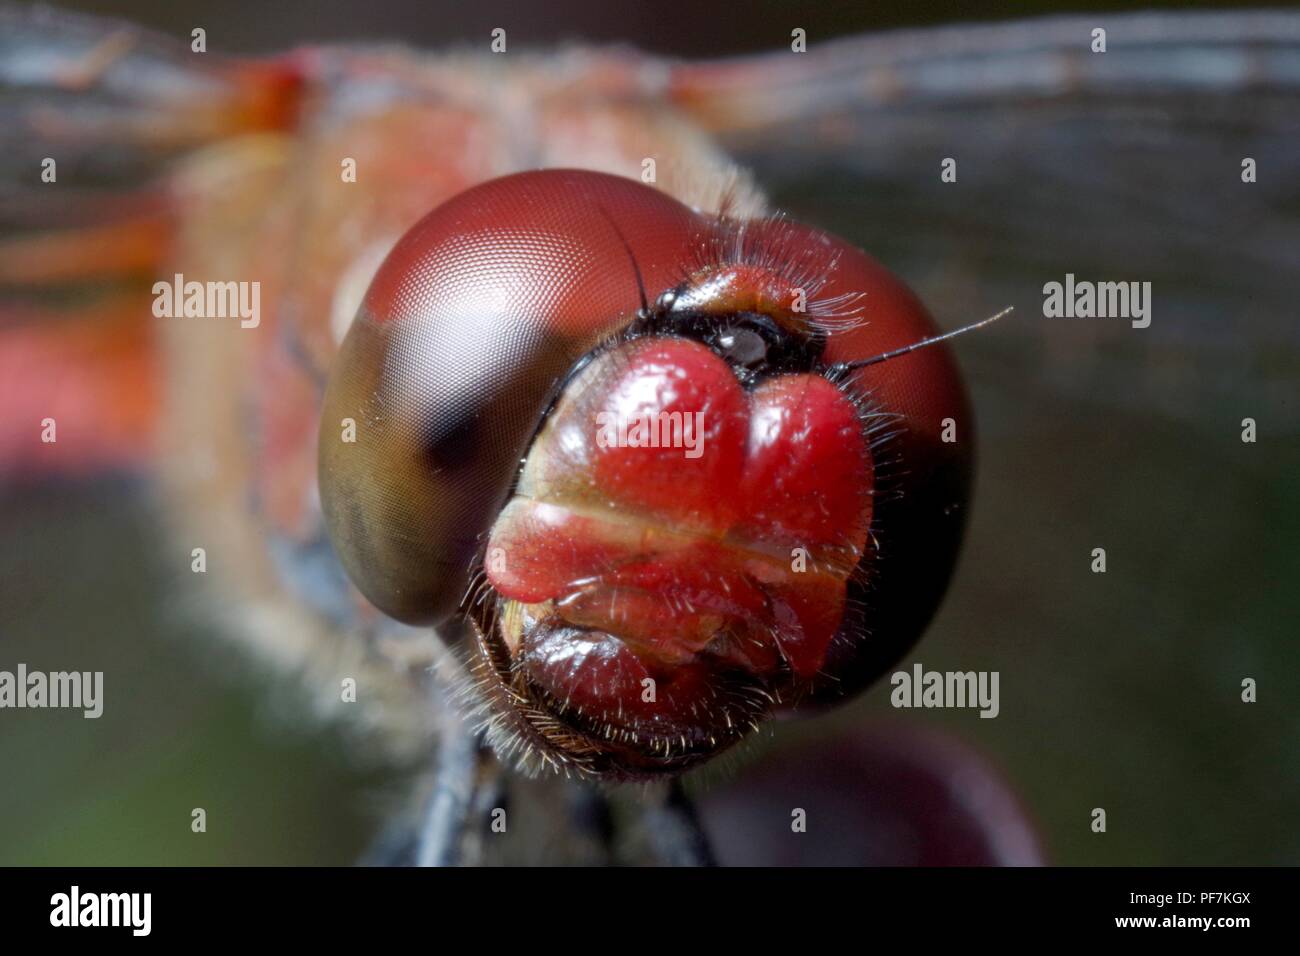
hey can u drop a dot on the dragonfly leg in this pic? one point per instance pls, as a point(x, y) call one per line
point(675, 832)
point(491, 794)
point(448, 812)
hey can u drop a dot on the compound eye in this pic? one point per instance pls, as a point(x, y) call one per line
point(447, 370)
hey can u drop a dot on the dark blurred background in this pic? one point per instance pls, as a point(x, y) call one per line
point(1119, 691)
point(677, 28)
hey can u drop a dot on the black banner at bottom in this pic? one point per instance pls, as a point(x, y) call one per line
point(214, 905)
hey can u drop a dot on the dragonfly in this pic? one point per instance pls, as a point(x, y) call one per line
point(979, 162)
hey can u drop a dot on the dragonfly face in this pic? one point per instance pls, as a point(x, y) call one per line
point(707, 491)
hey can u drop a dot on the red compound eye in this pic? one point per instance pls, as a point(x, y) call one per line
point(713, 518)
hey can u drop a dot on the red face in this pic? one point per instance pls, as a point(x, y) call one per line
point(713, 518)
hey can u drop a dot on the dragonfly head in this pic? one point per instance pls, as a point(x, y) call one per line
point(666, 517)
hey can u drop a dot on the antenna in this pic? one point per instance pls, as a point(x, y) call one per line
point(842, 368)
point(636, 269)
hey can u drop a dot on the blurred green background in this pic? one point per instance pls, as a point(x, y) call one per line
point(1118, 690)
